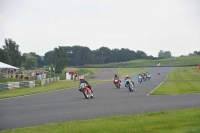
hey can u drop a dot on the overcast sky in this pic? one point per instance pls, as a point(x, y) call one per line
point(147, 25)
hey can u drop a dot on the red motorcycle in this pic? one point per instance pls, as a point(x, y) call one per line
point(117, 83)
point(86, 90)
point(158, 72)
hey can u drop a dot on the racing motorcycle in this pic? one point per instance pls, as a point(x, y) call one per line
point(140, 79)
point(117, 83)
point(158, 72)
point(145, 77)
point(129, 84)
point(86, 90)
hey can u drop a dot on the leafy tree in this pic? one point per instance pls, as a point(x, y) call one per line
point(164, 54)
point(40, 62)
point(116, 55)
point(12, 49)
point(49, 58)
point(61, 59)
point(23, 59)
point(4, 56)
point(167, 54)
point(105, 54)
point(161, 54)
point(190, 54)
point(141, 55)
point(84, 56)
point(79, 56)
point(196, 52)
point(30, 62)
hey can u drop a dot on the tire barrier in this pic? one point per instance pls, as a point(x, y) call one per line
point(25, 84)
point(15, 85)
point(49, 80)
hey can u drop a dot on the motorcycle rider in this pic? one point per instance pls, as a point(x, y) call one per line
point(82, 80)
point(144, 76)
point(148, 75)
point(140, 77)
point(127, 77)
point(116, 78)
point(158, 72)
point(125, 80)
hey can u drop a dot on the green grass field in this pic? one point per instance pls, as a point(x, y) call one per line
point(181, 80)
point(178, 61)
point(130, 71)
point(174, 121)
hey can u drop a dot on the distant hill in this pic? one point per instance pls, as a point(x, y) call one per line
point(174, 61)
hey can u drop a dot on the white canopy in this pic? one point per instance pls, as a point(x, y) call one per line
point(4, 65)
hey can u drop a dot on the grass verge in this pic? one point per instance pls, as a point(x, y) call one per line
point(173, 121)
point(46, 88)
point(177, 61)
point(130, 71)
point(183, 80)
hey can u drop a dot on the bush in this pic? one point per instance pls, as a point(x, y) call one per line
point(38, 82)
point(5, 80)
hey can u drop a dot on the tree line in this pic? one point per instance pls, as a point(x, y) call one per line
point(64, 56)
point(79, 56)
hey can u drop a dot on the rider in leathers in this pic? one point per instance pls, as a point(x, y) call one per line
point(116, 78)
point(127, 77)
point(82, 80)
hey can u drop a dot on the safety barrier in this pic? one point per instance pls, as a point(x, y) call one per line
point(49, 80)
point(14, 85)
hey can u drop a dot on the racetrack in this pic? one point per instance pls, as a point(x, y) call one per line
point(70, 104)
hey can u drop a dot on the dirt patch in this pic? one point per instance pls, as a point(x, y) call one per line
point(104, 74)
point(71, 69)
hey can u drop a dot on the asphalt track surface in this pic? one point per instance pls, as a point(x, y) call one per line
point(70, 104)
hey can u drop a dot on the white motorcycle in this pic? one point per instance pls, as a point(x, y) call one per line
point(129, 84)
point(140, 79)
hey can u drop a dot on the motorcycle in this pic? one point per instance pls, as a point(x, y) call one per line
point(145, 78)
point(129, 84)
point(86, 90)
point(117, 83)
point(140, 79)
point(148, 77)
point(158, 72)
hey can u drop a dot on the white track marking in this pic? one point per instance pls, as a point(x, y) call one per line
point(160, 83)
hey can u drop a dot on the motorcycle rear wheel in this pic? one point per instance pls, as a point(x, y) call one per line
point(131, 89)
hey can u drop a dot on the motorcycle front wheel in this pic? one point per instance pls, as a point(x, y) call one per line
point(85, 93)
point(92, 95)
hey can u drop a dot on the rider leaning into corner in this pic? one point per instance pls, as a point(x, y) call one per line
point(127, 77)
point(82, 80)
point(116, 78)
point(158, 72)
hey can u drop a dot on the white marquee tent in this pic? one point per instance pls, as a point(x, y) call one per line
point(4, 66)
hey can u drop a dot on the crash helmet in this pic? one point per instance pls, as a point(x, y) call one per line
point(115, 75)
point(127, 76)
point(81, 78)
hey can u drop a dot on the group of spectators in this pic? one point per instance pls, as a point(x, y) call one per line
point(18, 75)
point(37, 75)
